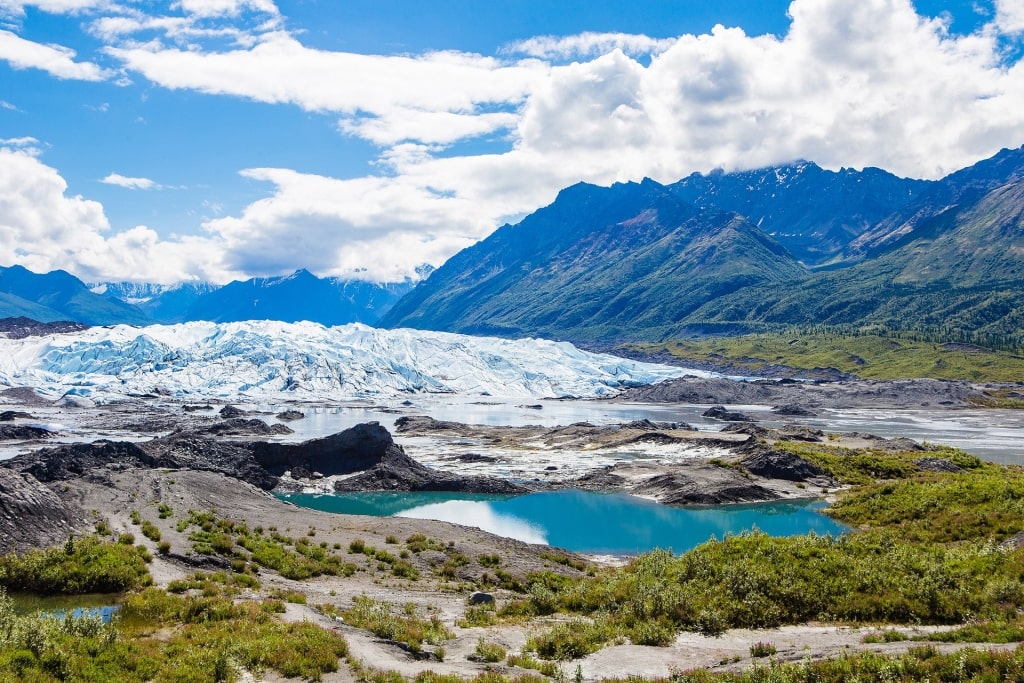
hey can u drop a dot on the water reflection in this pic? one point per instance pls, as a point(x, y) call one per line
point(480, 515)
point(584, 521)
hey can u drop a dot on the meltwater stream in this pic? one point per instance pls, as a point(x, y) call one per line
point(594, 523)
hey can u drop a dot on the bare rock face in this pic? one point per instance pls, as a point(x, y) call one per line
point(356, 449)
point(707, 485)
point(720, 413)
point(781, 465)
point(31, 515)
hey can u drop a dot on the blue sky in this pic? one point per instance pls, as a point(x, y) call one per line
point(222, 139)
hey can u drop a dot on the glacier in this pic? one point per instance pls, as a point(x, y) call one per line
point(275, 361)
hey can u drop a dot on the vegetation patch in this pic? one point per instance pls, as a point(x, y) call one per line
point(400, 623)
point(82, 565)
point(870, 355)
point(203, 639)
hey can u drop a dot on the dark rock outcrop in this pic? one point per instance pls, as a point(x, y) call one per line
point(793, 409)
point(239, 426)
point(31, 515)
point(707, 487)
point(356, 449)
point(229, 411)
point(773, 464)
point(12, 415)
point(938, 465)
point(290, 415)
point(720, 413)
point(23, 433)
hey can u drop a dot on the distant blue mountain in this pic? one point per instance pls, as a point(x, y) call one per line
point(58, 295)
point(291, 298)
point(295, 297)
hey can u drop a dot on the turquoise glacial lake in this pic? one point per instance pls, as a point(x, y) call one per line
point(585, 522)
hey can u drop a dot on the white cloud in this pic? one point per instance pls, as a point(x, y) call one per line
point(130, 183)
point(588, 45)
point(4, 104)
point(26, 142)
point(17, 7)
point(381, 227)
point(386, 98)
point(44, 228)
point(55, 59)
point(217, 8)
point(1010, 16)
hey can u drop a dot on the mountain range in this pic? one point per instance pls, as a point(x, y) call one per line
point(791, 245)
point(58, 295)
point(795, 245)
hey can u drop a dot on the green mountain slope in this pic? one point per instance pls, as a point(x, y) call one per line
point(598, 263)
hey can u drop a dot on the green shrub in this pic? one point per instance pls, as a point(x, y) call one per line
point(761, 649)
point(84, 565)
point(488, 652)
point(150, 531)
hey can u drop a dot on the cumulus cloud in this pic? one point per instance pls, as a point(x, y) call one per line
point(17, 7)
point(436, 97)
point(44, 228)
point(1010, 15)
point(130, 183)
point(380, 227)
point(217, 8)
point(59, 61)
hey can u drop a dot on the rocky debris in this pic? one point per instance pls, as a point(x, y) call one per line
point(909, 393)
point(601, 480)
point(938, 465)
point(720, 413)
point(290, 415)
point(703, 485)
point(748, 428)
point(423, 424)
point(239, 426)
point(230, 411)
point(74, 401)
point(533, 406)
point(25, 396)
point(648, 426)
point(196, 408)
point(31, 515)
point(773, 464)
point(1014, 542)
point(473, 457)
point(796, 433)
point(71, 461)
point(794, 410)
point(12, 415)
point(21, 327)
point(101, 458)
point(23, 433)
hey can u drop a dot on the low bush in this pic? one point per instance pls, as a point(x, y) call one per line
point(83, 565)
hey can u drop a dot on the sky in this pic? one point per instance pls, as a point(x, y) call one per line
point(215, 140)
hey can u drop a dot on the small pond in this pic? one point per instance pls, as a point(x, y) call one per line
point(585, 522)
point(101, 605)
